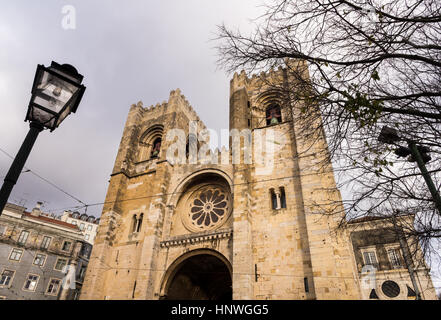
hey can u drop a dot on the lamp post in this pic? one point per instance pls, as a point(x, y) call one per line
point(56, 92)
point(417, 153)
point(420, 155)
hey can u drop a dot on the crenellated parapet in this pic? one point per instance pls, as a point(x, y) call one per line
point(273, 76)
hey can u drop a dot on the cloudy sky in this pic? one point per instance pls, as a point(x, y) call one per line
point(127, 51)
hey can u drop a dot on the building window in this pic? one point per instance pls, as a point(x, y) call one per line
point(81, 226)
point(134, 223)
point(282, 197)
point(370, 257)
point(87, 237)
point(278, 198)
point(305, 282)
point(273, 199)
point(2, 230)
point(390, 288)
point(6, 277)
point(82, 272)
point(66, 246)
point(156, 148)
point(45, 242)
point(60, 264)
point(273, 115)
point(150, 143)
point(40, 259)
point(137, 222)
point(141, 217)
point(53, 287)
point(23, 237)
point(31, 282)
point(85, 251)
point(395, 258)
point(74, 223)
point(16, 254)
point(89, 227)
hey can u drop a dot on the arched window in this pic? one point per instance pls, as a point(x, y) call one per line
point(134, 223)
point(150, 143)
point(273, 199)
point(273, 115)
point(137, 222)
point(278, 198)
point(138, 228)
point(282, 197)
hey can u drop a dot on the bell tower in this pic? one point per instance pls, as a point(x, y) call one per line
point(291, 250)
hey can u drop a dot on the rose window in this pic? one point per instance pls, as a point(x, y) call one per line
point(209, 208)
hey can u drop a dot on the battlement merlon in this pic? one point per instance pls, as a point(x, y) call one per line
point(177, 102)
point(180, 103)
point(242, 80)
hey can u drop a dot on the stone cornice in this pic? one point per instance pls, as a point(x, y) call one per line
point(196, 238)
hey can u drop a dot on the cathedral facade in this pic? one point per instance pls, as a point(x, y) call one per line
point(222, 226)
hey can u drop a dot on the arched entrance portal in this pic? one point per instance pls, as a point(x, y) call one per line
point(200, 277)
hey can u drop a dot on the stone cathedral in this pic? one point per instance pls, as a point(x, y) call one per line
point(220, 230)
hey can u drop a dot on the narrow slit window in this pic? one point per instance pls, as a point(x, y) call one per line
point(138, 228)
point(282, 198)
point(305, 280)
point(273, 199)
point(134, 223)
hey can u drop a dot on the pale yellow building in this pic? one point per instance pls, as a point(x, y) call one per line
point(246, 230)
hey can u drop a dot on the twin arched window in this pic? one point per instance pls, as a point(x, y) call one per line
point(137, 222)
point(278, 198)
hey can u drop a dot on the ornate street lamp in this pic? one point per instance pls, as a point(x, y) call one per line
point(418, 154)
point(56, 92)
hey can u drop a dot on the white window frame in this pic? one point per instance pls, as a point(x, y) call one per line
point(44, 260)
point(49, 243)
point(36, 284)
point(10, 280)
point(27, 233)
point(21, 254)
point(395, 246)
point(89, 227)
point(49, 284)
point(369, 249)
point(56, 262)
